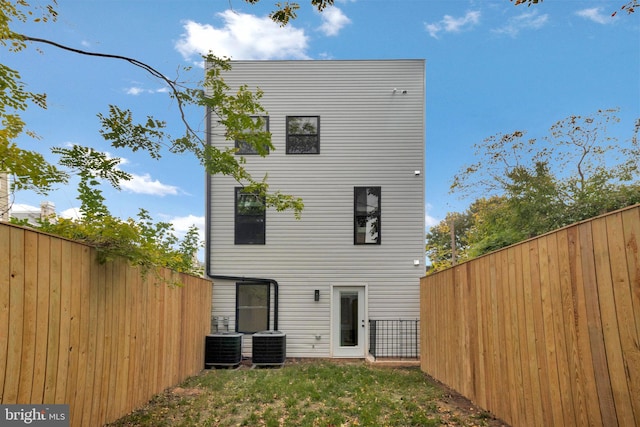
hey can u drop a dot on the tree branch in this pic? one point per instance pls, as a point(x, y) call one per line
point(173, 85)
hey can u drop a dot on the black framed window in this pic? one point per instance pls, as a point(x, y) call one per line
point(303, 134)
point(250, 218)
point(252, 307)
point(366, 216)
point(244, 146)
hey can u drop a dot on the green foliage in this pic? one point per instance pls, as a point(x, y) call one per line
point(577, 172)
point(286, 11)
point(140, 241)
point(628, 7)
point(533, 200)
point(234, 112)
point(492, 226)
point(439, 242)
point(29, 169)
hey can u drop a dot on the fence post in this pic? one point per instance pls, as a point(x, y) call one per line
point(372, 338)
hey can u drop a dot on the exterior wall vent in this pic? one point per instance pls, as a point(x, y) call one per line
point(269, 348)
point(223, 349)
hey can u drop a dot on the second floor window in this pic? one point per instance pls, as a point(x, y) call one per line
point(248, 145)
point(303, 135)
point(249, 219)
point(366, 216)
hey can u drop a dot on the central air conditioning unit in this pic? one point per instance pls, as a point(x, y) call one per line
point(223, 349)
point(269, 348)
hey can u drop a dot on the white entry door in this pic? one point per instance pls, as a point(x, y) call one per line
point(348, 320)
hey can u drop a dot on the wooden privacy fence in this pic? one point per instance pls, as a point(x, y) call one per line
point(95, 336)
point(546, 332)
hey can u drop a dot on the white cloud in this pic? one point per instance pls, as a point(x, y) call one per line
point(243, 36)
point(71, 213)
point(595, 14)
point(449, 24)
point(143, 184)
point(182, 224)
point(525, 21)
point(429, 221)
point(333, 20)
point(136, 90)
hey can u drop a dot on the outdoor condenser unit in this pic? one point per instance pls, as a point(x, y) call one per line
point(269, 348)
point(223, 349)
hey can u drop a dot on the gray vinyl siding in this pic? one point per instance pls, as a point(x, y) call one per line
point(369, 136)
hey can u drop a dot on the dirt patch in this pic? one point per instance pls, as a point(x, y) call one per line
point(454, 407)
point(179, 391)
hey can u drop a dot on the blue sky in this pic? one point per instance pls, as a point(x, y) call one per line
point(492, 68)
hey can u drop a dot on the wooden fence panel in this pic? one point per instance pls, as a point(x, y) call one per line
point(16, 305)
point(100, 338)
point(5, 286)
point(545, 332)
point(631, 232)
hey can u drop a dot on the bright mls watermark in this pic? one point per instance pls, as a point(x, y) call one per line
point(37, 415)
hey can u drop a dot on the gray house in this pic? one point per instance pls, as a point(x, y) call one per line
point(349, 139)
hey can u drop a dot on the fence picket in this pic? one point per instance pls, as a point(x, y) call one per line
point(622, 295)
point(29, 323)
point(16, 308)
point(5, 274)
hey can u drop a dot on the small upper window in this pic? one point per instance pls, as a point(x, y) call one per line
point(248, 145)
point(303, 135)
point(366, 218)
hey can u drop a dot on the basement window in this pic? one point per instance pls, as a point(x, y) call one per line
point(252, 307)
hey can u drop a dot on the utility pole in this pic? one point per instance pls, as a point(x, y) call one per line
point(454, 256)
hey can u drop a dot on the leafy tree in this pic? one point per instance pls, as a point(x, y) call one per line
point(573, 153)
point(533, 201)
point(492, 227)
point(140, 241)
point(30, 170)
point(485, 226)
point(628, 7)
point(286, 11)
point(439, 240)
point(579, 171)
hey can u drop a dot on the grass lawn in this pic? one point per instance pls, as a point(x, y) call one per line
point(309, 393)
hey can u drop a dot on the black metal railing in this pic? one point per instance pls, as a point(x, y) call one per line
point(394, 339)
